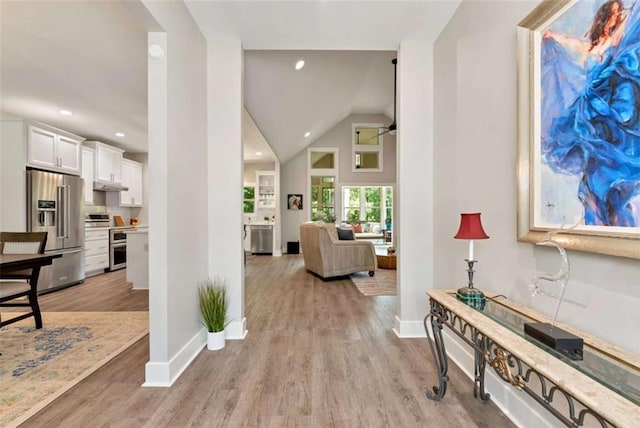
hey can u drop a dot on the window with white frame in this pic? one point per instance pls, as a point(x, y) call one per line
point(367, 204)
point(249, 199)
point(323, 199)
point(323, 176)
point(367, 147)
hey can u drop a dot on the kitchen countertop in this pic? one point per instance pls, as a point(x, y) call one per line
point(140, 226)
point(138, 230)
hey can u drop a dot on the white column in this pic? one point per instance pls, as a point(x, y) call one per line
point(158, 201)
point(414, 201)
point(225, 161)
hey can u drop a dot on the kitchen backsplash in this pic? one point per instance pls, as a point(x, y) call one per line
point(259, 215)
point(108, 202)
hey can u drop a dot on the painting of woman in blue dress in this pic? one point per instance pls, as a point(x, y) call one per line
point(590, 111)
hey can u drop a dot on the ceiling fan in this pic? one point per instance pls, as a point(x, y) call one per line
point(393, 126)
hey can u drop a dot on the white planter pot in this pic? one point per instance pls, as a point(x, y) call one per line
point(215, 341)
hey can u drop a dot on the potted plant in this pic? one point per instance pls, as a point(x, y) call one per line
point(387, 222)
point(214, 303)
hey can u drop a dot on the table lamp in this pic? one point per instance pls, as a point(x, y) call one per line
point(471, 229)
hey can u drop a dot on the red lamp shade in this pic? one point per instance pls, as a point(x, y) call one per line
point(471, 227)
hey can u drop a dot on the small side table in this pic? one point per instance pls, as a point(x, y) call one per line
point(387, 261)
point(387, 235)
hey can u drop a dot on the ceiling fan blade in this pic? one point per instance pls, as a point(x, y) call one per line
point(386, 131)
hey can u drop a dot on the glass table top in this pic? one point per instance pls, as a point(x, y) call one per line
point(614, 373)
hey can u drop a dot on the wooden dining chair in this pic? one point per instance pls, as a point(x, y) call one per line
point(23, 283)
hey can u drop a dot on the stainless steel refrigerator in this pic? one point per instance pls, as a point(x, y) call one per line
point(55, 204)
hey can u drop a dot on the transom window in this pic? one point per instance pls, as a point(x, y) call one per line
point(322, 160)
point(367, 147)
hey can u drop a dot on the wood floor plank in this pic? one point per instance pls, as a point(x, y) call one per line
point(318, 354)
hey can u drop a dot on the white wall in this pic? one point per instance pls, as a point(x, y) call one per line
point(13, 176)
point(225, 158)
point(414, 203)
point(293, 176)
point(475, 170)
point(250, 169)
point(178, 220)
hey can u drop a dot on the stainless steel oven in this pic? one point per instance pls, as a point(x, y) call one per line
point(118, 248)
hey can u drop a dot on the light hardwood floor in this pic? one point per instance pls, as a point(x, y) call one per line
point(318, 354)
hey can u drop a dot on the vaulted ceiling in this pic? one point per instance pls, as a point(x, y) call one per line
point(90, 58)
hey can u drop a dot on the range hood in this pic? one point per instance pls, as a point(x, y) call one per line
point(108, 187)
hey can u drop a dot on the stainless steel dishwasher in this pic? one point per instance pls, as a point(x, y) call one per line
point(261, 239)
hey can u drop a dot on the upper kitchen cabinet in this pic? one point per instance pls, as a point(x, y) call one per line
point(53, 149)
point(131, 178)
point(108, 162)
point(88, 171)
point(266, 189)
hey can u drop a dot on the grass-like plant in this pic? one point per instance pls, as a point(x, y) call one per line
point(213, 304)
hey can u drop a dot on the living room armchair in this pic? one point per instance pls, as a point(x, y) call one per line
point(328, 256)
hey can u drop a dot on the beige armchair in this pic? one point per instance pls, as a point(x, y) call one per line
point(327, 256)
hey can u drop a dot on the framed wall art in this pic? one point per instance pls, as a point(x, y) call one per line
point(579, 125)
point(294, 201)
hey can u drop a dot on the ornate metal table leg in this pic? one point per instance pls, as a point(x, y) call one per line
point(480, 363)
point(439, 356)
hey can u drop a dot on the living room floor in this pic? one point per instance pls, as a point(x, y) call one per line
point(317, 354)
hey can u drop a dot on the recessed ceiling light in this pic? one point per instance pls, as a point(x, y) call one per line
point(66, 112)
point(258, 153)
point(306, 134)
point(299, 64)
point(119, 134)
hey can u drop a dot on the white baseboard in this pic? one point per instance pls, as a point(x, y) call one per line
point(164, 374)
point(277, 253)
point(236, 330)
point(408, 329)
point(161, 374)
point(521, 409)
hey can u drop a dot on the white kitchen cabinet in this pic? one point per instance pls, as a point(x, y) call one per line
point(88, 171)
point(265, 195)
point(96, 251)
point(53, 149)
point(108, 162)
point(131, 178)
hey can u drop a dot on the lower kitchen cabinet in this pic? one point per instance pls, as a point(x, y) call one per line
point(96, 251)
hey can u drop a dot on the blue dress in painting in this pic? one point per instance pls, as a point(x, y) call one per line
point(590, 123)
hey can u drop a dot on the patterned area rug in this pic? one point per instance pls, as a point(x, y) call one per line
point(37, 366)
point(383, 283)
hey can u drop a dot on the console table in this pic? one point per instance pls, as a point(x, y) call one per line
point(602, 389)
